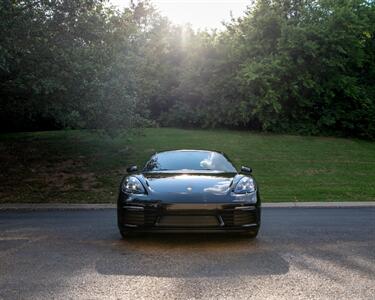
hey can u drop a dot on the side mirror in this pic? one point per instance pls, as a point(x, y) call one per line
point(132, 169)
point(246, 170)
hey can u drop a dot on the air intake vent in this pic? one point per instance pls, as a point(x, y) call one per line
point(188, 221)
point(232, 217)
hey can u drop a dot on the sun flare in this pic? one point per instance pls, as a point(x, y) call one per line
point(200, 14)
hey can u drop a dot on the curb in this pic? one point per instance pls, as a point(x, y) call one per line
point(55, 206)
point(320, 204)
point(96, 206)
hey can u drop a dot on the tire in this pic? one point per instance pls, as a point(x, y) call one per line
point(124, 234)
point(252, 234)
point(129, 234)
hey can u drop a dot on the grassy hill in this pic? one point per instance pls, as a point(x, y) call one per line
point(83, 166)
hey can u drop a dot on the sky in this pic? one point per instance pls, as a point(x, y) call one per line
point(200, 14)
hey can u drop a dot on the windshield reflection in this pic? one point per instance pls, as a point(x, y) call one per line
point(189, 160)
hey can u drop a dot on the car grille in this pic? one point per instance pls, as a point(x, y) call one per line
point(140, 217)
point(232, 217)
point(148, 216)
point(188, 221)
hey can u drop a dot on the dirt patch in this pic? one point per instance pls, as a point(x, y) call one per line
point(43, 178)
point(66, 176)
point(62, 168)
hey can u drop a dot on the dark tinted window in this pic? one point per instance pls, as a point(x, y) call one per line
point(189, 160)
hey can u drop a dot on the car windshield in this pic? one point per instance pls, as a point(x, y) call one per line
point(189, 161)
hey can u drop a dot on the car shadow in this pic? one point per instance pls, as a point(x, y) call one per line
point(193, 255)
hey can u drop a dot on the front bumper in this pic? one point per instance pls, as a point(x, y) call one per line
point(157, 216)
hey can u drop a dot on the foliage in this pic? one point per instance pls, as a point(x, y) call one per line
point(67, 64)
point(288, 66)
point(294, 66)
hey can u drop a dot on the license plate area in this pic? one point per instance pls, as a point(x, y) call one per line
point(188, 221)
point(196, 207)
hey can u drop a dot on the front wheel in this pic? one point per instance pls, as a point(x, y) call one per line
point(124, 234)
point(252, 234)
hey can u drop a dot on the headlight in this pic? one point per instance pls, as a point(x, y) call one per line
point(132, 185)
point(245, 185)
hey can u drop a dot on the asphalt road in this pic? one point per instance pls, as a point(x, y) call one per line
point(300, 253)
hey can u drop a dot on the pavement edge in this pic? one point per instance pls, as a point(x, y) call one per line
point(96, 206)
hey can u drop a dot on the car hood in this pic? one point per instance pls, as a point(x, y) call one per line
point(190, 184)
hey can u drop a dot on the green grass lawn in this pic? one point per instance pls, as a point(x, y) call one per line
point(83, 166)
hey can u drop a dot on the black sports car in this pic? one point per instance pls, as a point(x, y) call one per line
point(189, 190)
